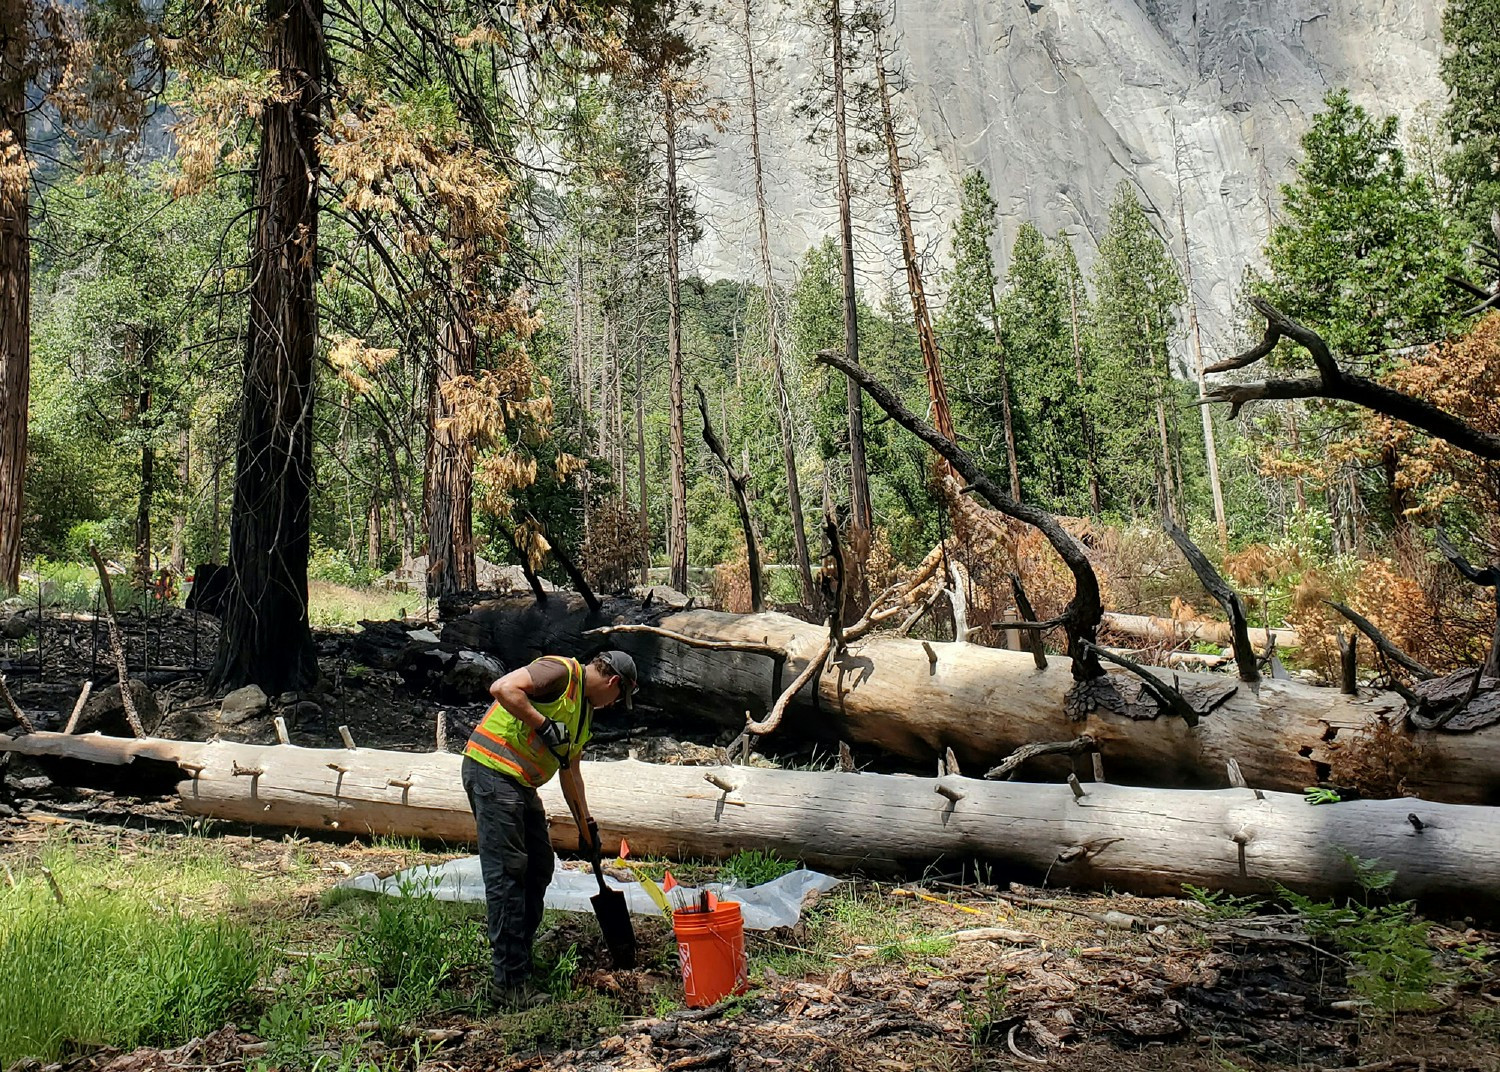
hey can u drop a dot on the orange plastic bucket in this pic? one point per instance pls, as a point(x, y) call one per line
point(711, 951)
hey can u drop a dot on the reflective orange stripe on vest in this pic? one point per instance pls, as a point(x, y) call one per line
point(500, 750)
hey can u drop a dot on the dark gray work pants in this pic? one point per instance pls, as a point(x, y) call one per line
point(516, 859)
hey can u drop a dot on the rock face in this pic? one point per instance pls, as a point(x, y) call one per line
point(1059, 101)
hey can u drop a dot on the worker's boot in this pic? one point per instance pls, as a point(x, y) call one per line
point(514, 998)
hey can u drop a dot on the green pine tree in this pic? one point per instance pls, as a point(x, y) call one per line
point(1361, 251)
point(1137, 292)
point(1471, 69)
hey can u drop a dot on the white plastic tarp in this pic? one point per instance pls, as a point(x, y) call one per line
point(777, 903)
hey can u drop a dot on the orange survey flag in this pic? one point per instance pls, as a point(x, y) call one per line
point(668, 883)
point(624, 848)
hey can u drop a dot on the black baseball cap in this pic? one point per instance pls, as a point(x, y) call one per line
point(624, 666)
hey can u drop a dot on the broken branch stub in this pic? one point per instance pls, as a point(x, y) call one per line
point(1239, 625)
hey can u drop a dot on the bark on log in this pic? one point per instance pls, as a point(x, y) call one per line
point(1145, 840)
point(1175, 631)
point(985, 703)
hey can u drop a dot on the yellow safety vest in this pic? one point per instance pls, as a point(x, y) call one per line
point(504, 743)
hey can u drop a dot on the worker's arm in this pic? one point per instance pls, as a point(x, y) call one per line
point(513, 691)
point(571, 782)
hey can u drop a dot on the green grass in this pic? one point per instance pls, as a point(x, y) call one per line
point(751, 867)
point(118, 962)
point(337, 604)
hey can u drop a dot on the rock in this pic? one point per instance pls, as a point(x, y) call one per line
point(470, 676)
point(422, 636)
point(288, 699)
point(1060, 102)
point(34, 784)
point(18, 625)
point(105, 713)
point(304, 711)
point(243, 704)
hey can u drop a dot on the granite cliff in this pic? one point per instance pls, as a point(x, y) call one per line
point(1059, 101)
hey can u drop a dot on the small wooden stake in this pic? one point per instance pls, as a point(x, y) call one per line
point(1073, 784)
point(718, 782)
point(846, 758)
point(83, 698)
point(346, 737)
point(127, 699)
point(952, 794)
point(282, 737)
point(56, 889)
point(442, 732)
point(950, 762)
point(1098, 766)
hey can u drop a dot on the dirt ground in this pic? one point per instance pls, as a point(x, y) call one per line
point(942, 973)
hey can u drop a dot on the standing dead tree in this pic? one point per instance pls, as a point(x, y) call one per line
point(773, 340)
point(737, 482)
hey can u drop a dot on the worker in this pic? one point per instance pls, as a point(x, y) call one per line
point(541, 719)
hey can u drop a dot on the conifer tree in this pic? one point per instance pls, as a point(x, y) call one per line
point(1035, 330)
point(970, 329)
point(1136, 294)
point(1471, 69)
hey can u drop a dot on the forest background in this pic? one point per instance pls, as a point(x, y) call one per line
point(317, 289)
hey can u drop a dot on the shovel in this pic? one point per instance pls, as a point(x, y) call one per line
point(609, 907)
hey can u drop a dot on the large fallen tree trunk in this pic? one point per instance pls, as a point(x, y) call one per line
point(917, 698)
point(1144, 840)
point(1176, 631)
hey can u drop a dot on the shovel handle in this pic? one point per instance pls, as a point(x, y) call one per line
point(596, 854)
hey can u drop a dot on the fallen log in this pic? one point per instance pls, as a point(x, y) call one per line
point(1191, 631)
point(916, 698)
point(1149, 841)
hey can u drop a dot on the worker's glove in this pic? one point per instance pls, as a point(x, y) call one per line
point(1317, 795)
point(553, 734)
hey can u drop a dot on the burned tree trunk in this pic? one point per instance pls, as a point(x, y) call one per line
point(265, 639)
point(450, 492)
point(679, 527)
point(15, 284)
point(860, 517)
point(773, 340)
point(942, 415)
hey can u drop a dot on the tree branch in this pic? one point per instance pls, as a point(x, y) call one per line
point(1239, 625)
point(1169, 699)
point(1010, 764)
point(1334, 383)
point(1081, 617)
point(1382, 643)
point(737, 481)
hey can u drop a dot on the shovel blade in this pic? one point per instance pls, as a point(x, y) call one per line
point(614, 922)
